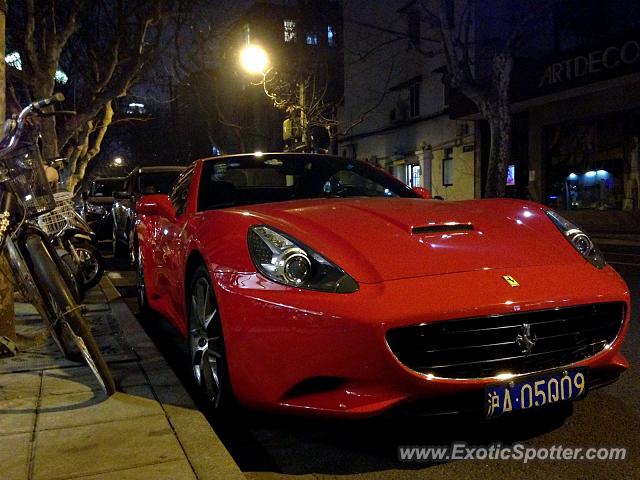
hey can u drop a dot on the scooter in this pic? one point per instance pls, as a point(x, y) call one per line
point(74, 240)
point(82, 244)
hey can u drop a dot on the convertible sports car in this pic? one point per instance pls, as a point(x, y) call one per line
point(320, 285)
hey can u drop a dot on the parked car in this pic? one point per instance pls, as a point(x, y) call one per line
point(141, 181)
point(320, 285)
point(96, 205)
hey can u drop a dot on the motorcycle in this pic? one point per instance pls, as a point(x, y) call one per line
point(75, 241)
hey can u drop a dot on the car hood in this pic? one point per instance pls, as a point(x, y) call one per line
point(379, 239)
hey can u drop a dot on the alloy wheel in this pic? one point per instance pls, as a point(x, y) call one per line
point(205, 340)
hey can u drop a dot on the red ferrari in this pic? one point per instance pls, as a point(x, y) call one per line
point(321, 285)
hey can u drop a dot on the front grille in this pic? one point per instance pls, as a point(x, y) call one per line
point(488, 346)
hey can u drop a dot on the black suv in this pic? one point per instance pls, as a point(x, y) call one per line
point(141, 181)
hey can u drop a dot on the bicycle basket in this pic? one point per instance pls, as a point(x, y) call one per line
point(54, 221)
point(27, 180)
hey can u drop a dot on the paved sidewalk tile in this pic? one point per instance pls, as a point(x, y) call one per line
point(176, 470)
point(205, 451)
point(17, 415)
point(99, 448)
point(14, 456)
point(87, 408)
point(19, 385)
point(60, 381)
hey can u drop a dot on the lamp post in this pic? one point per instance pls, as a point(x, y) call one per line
point(255, 60)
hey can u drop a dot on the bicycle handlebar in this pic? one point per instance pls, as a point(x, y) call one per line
point(8, 147)
point(45, 102)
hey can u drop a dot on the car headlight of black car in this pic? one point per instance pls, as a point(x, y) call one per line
point(287, 261)
point(578, 239)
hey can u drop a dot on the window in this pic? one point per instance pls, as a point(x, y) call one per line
point(413, 175)
point(414, 100)
point(180, 191)
point(331, 36)
point(289, 31)
point(413, 30)
point(447, 167)
point(312, 38)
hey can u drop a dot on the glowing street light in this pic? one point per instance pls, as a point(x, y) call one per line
point(254, 59)
point(118, 161)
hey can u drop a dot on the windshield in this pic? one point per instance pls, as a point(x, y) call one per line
point(243, 180)
point(106, 187)
point(159, 182)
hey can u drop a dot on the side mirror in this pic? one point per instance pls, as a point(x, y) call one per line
point(121, 195)
point(423, 192)
point(156, 204)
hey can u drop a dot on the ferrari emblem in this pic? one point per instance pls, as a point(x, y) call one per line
point(511, 281)
point(526, 340)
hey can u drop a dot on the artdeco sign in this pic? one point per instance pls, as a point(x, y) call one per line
point(607, 61)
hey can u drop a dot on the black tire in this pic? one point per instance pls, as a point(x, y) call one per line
point(117, 248)
point(205, 343)
point(91, 266)
point(58, 299)
point(141, 296)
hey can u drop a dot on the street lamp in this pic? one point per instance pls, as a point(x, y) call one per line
point(118, 161)
point(254, 59)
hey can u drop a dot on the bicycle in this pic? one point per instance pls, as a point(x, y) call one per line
point(33, 260)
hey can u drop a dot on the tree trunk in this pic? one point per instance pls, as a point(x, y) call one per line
point(7, 315)
point(496, 111)
point(90, 147)
point(499, 155)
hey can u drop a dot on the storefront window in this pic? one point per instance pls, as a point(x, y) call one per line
point(588, 163)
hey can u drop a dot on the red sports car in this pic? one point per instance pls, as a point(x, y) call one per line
point(321, 285)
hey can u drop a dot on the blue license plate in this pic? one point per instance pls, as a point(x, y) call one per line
point(535, 392)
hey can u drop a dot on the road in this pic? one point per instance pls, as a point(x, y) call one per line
point(267, 447)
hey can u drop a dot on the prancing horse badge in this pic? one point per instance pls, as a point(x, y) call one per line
point(511, 281)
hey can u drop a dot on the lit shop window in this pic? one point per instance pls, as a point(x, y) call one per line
point(289, 31)
point(312, 38)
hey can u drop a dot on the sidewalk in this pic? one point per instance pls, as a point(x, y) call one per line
point(55, 422)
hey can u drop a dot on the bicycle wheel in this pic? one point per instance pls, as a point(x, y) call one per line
point(67, 321)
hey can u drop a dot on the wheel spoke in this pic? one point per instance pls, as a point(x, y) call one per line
point(208, 318)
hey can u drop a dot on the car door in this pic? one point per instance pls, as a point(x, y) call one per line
point(173, 244)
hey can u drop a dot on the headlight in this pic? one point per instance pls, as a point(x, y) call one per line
point(287, 261)
point(580, 240)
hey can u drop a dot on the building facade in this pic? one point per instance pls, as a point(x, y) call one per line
point(395, 111)
point(575, 102)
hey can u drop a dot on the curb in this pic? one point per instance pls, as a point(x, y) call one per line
point(208, 457)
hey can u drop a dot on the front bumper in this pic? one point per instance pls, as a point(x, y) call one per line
point(300, 351)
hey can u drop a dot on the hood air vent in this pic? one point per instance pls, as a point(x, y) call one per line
point(444, 227)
